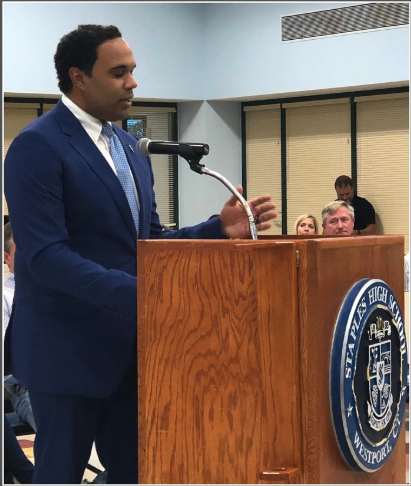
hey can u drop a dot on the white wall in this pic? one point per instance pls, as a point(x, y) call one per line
point(217, 123)
point(246, 57)
point(166, 40)
point(203, 51)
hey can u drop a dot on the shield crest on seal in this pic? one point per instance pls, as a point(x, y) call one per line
point(379, 380)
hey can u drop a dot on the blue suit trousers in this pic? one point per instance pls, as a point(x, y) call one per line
point(68, 425)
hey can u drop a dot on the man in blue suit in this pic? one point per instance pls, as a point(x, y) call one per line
point(72, 334)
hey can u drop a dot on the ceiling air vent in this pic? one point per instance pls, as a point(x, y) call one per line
point(368, 16)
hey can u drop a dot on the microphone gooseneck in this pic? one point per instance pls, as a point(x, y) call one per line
point(243, 202)
point(193, 153)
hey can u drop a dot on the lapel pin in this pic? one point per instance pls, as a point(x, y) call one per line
point(131, 148)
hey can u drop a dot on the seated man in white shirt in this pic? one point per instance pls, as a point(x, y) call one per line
point(19, 395)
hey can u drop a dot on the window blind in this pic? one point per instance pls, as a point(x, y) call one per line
point(48, 106)
point(318, 151)
point(383, 160)
point(263, 156)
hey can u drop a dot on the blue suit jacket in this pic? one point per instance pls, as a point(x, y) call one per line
point(73, 326)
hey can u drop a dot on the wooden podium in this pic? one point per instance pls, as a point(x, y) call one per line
point(234, 341)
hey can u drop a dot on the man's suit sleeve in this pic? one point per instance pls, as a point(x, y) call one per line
point(33, 174)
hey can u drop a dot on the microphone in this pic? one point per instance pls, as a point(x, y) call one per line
point(146, 147)
point(193, 152)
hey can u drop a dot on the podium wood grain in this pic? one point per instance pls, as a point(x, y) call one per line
point(333, 266)
point(233, 357)
point(218, 362)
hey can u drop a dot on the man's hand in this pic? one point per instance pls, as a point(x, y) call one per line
point(371, 229)
point(234, 219)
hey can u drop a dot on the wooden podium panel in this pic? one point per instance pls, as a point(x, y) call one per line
point(234, 341)
point(333, 265)
point(218, 361)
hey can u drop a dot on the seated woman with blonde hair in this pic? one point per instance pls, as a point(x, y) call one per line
point(306, 224)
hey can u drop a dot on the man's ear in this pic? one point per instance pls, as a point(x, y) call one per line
point(77, 77)
point(6, 257)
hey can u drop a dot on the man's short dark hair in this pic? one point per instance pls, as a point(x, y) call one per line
point(8, 237)
point(79, 49)
point(343, 181)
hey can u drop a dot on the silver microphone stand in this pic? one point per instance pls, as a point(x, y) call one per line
point(193, 158)
point(243, 202)
point(193, 153)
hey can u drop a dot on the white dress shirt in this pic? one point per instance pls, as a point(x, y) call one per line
point(93, 127)
point(8, 295)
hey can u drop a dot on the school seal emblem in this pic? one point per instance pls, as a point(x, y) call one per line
point(368, 375)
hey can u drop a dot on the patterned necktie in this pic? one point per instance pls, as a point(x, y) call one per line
point(123, 170)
